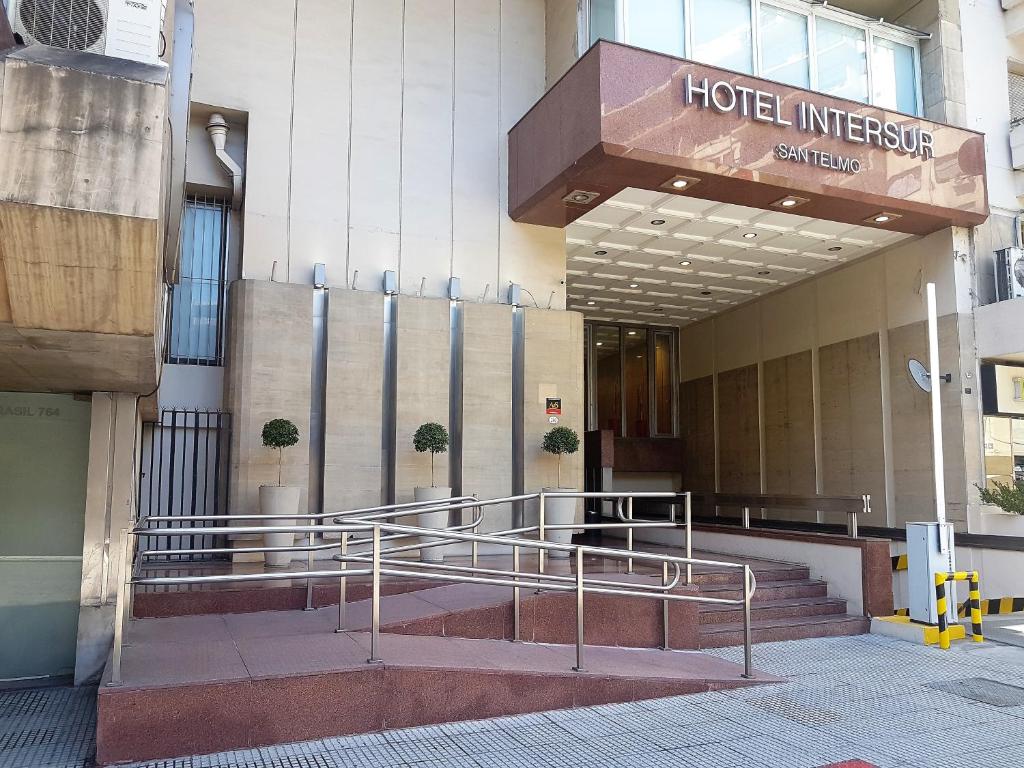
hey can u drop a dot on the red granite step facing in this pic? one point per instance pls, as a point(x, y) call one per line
point(770, 590)
point(178, 699)
point(773, 609)
point(289, 597)
point(776, 630)
point(781, 572)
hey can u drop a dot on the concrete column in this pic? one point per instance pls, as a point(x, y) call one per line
point(109, 507)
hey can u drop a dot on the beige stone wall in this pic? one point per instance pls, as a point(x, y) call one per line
point(424, 347)
point(553, 368)
point(377, 138)
point(486, 407)
point(838, 410)
point(355, 365)
point(268, 361)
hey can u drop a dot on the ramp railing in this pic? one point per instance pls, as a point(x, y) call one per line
point(373, 523)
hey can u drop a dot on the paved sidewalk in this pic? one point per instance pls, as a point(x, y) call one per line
point(882, 701)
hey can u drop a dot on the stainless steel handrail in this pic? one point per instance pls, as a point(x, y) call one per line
point(347, 523)
point(852, 506)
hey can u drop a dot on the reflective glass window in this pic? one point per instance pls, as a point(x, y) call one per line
point(635, 383)
point(722, 35)
point(602, 20)
point(842, 60)
point(784, 55)
point(663, 383)
point(656, 25)
point(607, 367)
point(893, 76)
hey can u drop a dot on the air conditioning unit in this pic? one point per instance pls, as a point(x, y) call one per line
point(125, 29)
point(1009, 266)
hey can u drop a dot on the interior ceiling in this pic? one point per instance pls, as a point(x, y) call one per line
point(627, 258)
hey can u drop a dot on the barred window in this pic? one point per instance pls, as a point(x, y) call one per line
point(196, 323)
point(1016, 88)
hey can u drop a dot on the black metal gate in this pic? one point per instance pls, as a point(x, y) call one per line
point(184, 462)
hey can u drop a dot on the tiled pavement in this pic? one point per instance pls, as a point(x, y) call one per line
point(848, 698)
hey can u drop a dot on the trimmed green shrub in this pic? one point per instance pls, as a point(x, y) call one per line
point(280, 434)
point(430, 437)
point(559, 441)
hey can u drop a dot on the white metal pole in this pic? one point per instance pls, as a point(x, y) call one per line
point(935, 379)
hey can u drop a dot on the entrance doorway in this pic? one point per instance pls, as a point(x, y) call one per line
point(44, 457)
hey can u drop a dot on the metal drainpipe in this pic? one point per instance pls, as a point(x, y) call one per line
point(217, 128)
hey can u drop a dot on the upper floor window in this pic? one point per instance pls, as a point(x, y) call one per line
point(196, 322)
point(789, 41)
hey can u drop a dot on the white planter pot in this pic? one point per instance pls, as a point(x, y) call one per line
point(278, 500)
point(432, 520)
point(559, 511)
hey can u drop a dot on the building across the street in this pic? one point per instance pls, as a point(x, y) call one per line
point(699, 233)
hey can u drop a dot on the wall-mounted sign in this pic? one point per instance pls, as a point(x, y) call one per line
point(552, 419)
point(822, 120)
point(553, 406)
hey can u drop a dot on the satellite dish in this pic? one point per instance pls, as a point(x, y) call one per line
point(920, 374)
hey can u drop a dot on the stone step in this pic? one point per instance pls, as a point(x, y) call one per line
point(772, 590)
point(773, 609)
point(781, 572)
point(775, 630)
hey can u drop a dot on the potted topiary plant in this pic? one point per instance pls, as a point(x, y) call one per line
point(560, 511)
point(431, 438)
point(279, 499)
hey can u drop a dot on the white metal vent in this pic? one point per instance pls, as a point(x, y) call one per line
point(80, 25)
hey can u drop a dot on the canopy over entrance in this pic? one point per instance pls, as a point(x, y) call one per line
point(624, 117)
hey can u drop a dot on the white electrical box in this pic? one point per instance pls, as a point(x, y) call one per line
point(929, 551)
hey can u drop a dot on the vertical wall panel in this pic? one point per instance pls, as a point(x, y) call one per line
point(319, 146)
point(553, 368)
point(376, 151)
point(851, 423)
point(355, 365)
point(477, 140)
point(423, 356)
point(738, 444)
point(789, 429)
point(487, 407)
point(911, 425)
point(697, 427)
point(268, 378)
point(427, 146)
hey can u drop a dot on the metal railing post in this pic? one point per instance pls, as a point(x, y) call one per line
point(540, 534)
point(121, 607)
point(375, 615)
point(309, 567)
point(664, 607)
point(748, 671)
point(689, 537)
point(343, 585)
point(629, 532)
point(746, 517)
point(515, 595)
point(579, 610)
point(851, 524)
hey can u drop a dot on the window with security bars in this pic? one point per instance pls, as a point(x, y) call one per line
point(1016, 87)
point(196, 324)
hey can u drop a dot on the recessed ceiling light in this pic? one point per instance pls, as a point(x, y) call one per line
point(591, 303)
point(631, 333)
point(657, 222)
point(679, 183)
point(750, 235)
point(581, 197)
point(639, 357)
point(835, 248)
point(685, 263)
point(600, 343)
point(882, 217)
point(764, 272)
point(634, 285)
point(790, 201)
point(600, 253)
point(705, 293)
